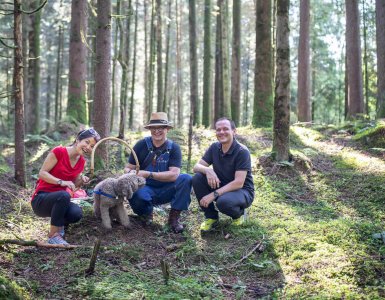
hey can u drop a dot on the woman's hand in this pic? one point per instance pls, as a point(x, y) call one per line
point(85, 179)
point(68, 184)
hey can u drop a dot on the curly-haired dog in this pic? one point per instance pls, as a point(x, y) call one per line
point(110, 193)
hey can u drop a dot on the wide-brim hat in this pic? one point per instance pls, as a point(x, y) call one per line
point(158, 119)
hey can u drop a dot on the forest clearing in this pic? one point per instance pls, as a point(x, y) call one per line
point(308, 234)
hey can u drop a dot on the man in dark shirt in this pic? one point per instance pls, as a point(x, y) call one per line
point(160, 161)
point(229, 182)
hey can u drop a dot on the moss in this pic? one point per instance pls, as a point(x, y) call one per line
point(10, 290)
point(372, 136)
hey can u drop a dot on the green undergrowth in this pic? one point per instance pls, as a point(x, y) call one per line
point(309, 234)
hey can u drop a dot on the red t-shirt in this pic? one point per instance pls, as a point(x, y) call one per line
point(62, 170)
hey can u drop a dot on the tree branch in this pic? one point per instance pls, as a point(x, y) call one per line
point(8, 46)
point(37, 244)
point(37, 9)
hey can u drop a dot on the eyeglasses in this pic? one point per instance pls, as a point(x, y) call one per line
point(155, 129)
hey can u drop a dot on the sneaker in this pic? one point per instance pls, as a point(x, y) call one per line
point(208, 224)
point(239, 222)
point(147, 219)
point(61, 231)
point(57, 240)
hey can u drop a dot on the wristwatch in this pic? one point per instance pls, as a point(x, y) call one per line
point(59, 182)
point(216, 194)
point(151, 176)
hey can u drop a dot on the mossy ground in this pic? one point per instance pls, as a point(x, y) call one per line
point(315, 221)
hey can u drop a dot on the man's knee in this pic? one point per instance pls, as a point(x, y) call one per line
point(197, 179)
point(226, 205)
point(184, 180)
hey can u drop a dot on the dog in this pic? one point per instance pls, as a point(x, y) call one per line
point(110, 194)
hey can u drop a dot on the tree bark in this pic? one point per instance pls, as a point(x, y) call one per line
point(194, 102)
point(263, 94)
point(132, 102)
point(353, 51)
point(19, 96)
point(166, 100)
point(207, 76)
point(282, 85)
point(304, 104)
point(159, 53)
point(77, 94)
point(236, 63)
point(179, 81)
point(102, 104)
point(58, 75)
point(380, 39)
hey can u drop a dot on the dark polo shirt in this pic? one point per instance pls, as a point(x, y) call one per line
point(226, 164)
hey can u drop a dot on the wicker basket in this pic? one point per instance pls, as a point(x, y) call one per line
point(137, 166)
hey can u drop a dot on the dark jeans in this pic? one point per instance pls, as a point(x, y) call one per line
point(58, 206)
point(232, 203)
point(177, 193)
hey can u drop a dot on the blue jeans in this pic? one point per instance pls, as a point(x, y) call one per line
point(58, 206)
point(177, 193)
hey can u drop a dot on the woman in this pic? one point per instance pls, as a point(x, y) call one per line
point(61, 171)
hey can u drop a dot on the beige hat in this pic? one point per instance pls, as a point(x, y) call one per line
point(158, 119)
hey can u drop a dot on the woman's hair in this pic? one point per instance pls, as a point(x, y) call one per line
point(87, 133)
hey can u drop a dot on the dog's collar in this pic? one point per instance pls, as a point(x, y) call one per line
point(100, 192)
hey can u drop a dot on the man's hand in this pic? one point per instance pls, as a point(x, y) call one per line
point(212, 178)
point(206, 200)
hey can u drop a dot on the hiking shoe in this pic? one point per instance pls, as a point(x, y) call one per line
point(57, 240)
point(208, 224)
point(238, 222)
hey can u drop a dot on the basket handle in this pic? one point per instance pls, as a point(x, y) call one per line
point(137, 166)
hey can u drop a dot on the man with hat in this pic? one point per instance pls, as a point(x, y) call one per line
point(160, 161)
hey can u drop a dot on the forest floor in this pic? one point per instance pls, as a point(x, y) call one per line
point(309, 233)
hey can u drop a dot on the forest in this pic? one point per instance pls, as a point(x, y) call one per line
point(304, 83)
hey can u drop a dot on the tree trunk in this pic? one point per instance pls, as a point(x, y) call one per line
point(131, 121)
point(245, 119)
point(114, 63)
point(304, 104)
point(282, 85)
point(380, 39)
point(19, 96)
point(58, 74)
point(207, 85)
point(146, 89)
point(353, 51)
point(263, 94)
point(77, 75)
point(194, 107)
point(236, 63)
point(179, 81)
point(166, 100)
point(48, 104)
point(152, 61)
point(102, 101)
point(224, 17)
point(365, 59)
point(222, 103)
point(33, 103)
point(159, 52)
